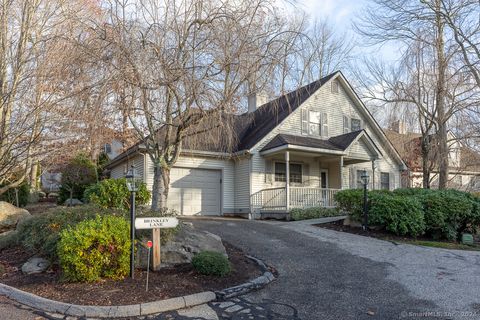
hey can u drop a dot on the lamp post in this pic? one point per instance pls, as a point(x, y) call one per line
point(132, 185)
point(365, 180)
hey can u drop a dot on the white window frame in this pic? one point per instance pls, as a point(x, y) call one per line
point(351, 124)
point(346, 124)
point(307, 124)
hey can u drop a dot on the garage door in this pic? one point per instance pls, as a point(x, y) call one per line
point(195, 191)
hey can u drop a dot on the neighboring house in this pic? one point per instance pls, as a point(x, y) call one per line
point(295, 151)
point(464, 163)
point(50, 181)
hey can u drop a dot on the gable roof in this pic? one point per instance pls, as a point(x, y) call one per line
point(338, 143)
point(268, 116)
point(248, 129)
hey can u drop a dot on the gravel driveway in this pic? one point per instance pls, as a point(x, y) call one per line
point(325, 274)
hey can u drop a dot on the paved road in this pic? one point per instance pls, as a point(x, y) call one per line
point(330, 275)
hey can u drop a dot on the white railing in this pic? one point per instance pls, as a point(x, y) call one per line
point(301, 197)
point(269, 199)
point(274, 199)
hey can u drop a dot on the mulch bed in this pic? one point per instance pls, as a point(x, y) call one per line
point(378, 234)
point(167, 283)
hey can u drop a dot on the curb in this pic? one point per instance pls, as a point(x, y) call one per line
point(251, 285)
point(135, 310)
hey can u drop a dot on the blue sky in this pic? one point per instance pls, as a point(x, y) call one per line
point(341, 14)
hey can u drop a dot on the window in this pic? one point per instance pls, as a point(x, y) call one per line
point(295, 172)
point(359, 179)
point(108, 148)
point(314, 123)
point(384, 181)
point(335, 86)
point(356, 124)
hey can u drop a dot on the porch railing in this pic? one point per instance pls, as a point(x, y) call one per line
point(301, 197)
point(274, 199)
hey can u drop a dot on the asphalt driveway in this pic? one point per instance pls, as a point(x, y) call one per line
point(325, 274)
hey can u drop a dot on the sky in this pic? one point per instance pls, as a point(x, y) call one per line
point(341, 14)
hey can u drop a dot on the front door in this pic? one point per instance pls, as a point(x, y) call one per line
point(323, 179)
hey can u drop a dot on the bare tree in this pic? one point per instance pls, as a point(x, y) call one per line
point(410, 22)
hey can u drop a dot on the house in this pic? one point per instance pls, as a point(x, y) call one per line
point(295, 151)
point(464, 163)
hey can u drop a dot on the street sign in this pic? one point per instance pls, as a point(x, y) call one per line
point(156, 222)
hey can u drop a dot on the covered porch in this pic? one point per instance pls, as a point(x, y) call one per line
point(303, 172)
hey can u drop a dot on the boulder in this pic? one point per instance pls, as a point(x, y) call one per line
point(10, 216)
point(73, 202)
point(352, 223)
point(185, 244)
point(35, 265)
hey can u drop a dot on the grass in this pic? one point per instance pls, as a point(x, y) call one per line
point(444, 245)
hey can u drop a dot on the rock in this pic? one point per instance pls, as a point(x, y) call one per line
point(189, 242)
point(185, 244)
point(352, 223)
point(10, 216)
point(35, 265)
point(73, 202)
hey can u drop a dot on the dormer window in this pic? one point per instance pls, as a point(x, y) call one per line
point(356, 124)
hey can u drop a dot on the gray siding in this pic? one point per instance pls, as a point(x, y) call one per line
point(228, 175)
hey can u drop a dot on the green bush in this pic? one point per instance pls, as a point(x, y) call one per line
point(113, 193)
point(40, 234)
point(77, 175)
point(95, 249)
point(23, 195)
point(313, 213)
point(211, 263)
point(350, 202)
point(449, 212)
point(401, 215)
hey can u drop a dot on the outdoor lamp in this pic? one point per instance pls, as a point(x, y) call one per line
point(132, 180)
point(132, 184)
point(365, 180)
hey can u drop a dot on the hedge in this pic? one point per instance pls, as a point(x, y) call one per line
point(113, 193)
point(442, 214)
point(313, 213)
point(211, 263)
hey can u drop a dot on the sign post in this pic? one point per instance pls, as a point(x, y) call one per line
point(156, 223)
point(149, 245)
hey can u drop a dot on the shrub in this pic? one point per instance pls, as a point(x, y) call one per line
point(350, 202)
point(313, 213)
point(401, 215)
point(23, 195)
point(211, 263)
point(40, 234)
point(449, 212)
point(77, 175)
point(94, 249)
point(113, 193)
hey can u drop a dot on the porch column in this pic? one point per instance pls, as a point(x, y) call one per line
point(287, 180)
point(373, 174)
point(341, 172)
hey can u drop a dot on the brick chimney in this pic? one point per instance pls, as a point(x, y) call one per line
point(255, 100)
point(399, 126)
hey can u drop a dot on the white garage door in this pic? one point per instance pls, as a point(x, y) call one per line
point(195, 191)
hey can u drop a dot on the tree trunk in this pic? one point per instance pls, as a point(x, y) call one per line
point(33, 177)
point(160, 188)
point(425, 165)
point(440, 102)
